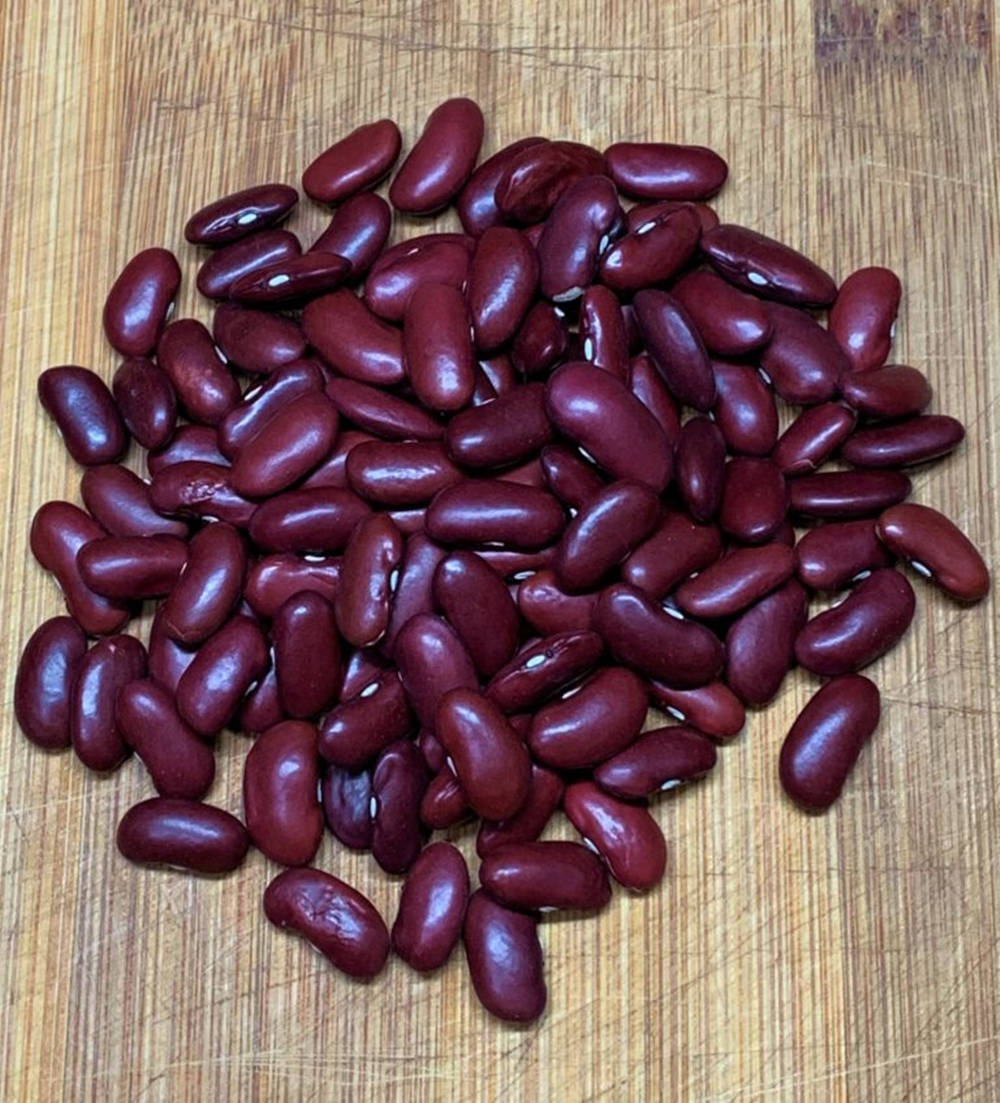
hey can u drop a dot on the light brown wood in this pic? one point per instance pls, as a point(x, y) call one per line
point(853, 956)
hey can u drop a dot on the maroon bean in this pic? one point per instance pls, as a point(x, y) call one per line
point(317, 520)
point(660, 759)
point(347, 801)
point(936, 548)
point(306, 654)
point(507, 430)
point(442, 160)
point(398, 784)
point(126, 568)
point(515, 565)
point(360, 668)
point(263, 402)
point(490, 760)
point(503, 278)
point(145, 396)
point(712, 708)
point(261, 708)
point(341, 923)
point(478, 605)
point(812, 438)
point(191, 443)
point(735, 582)
point(701, 467)
point(643, 634)
point(529, 822)
point(767, 268)
point(107, 668)
point(571, 478)
point(549, 609)
point(226, 266)
point(869, 622)
point(257, 341)
point(602, 330)
point(182, 834)
point(863, 316)
point(755, 672)
point(333, 470)
point(824, 742)
point(291, 280)
point(353, 163)
point(437, 344)
point(534, 876)
point(204, 384)
point(677, 351)
point(648, 386)
point(399, 474)
point(433, 752)
point(275, 578)
point(485, 511)
point(194, 489)
point(167, 659)
point(915, 440)
point(357, 232)
point(845, 494)
point(371, 558)
point(660, 170)
point(652, 253)
point(500, 374)
point(413, 589)
point(505, 959)
point(397, 275)
point(730, 322)
point(745, 410)
point(85, 414)
point(179, 763)
point(754, 500)
point(541, 341)
point(892, 391)
point(476, 204)
point(535, 178)
point(431, 908)
point(574, 236)
point(46, 673)
point(431, 662)
point(542, 668)
point(140, 301)
point(643, 213)
point(625, 835)
point(831, 556)
point(58, 531)
point(353, 340)
point(444, 803)
point(380, 413)
point(225, 667)
point(239, 214)
point(120, 502)
point(802, 361)
point(365, 723)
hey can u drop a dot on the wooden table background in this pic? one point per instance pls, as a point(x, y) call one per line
point(854, 956)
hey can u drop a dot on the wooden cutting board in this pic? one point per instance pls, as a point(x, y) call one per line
point(852, 956)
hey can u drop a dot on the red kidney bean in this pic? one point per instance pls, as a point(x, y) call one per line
point(119, 501)
point(195, 489)
point(431, 661)
point(500, 373)
point(317, 520)
point(291, 280)
point(360, 668)
point(275, 578)
point(831, 556)
point(677, 351)
point(503, 279)
point(745, 410)
point(936, 548)
point(226, 266)
point(916, 440)
point(869, 622)
point(347, 801)
point(46, 674)
point(371, 558)
point(602, 331)
point(431, 908)
point(353, 163)
point(380, 413)
point(257, 341)
point(398, 784)
point(802, 361)
point(549, 609)
point(191, 443)
point(892, 391)
point(863, 316)
point(490, 760)
point(507, 430)
point(225, 667)
point(541, 341)
point(341, 923)
point(442, 160)
point(701, 467)
point(437, 343)
point(542, 668)
point(812, 438)
point(58, 531)
point(824, 742)
point(365, 723)
point(515, 565)
point(505, 959)
point(261, 708)
point(729, 322)
point(179, 763)
point(652, 253)
point(183, 834)
point(712, 708)
point(235, 216)
point(529, 822)
point(85, 414)
point(643, 213)
point(735, 582)
point(625, 835)
point(357, 232)
point(396, 277)
point(145, 396)
point(444, 803)
point(353, 340)
point(490, 511)
point(106, 668)
point(646, 383)
point(607, 528)
point(263, 402)
point(660, 759)
point(167, 659)
point(140, 301)
point(433, 752)
point(476, 204)
point(571, 479)
point(126, 568)
point(574, 236)
point(754, 499)
point(478, 605)
point(846, 494)
point(333, 470)
point(660, 170)
point(534, 876)
point(767, 268)
point(413, 589)
point(643, 634)
point(306, 654)
point(753, 672)
point(535, 178)
point(406, 473)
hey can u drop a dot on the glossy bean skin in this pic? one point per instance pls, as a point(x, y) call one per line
point(241, 213)
point(190, 443)
point(542, 668)
point(431, 661)
point(184, 834)
point(120, 503)
point(677, 548)
point(541, 340)
point(354, 163)
point(536, 176)
point(755, 673)
point(660, 759)
point(812, 438)
point(333, 470)
point(571, 478)
point(109, 666)
point(500, 373)
point(58, 531)
point(640, 633)
point(601, 415)
point(735, 582)
point(306, 654)
point(275, 578)
point(179, 763)
point(335, 918)
point(280, 786)
point(832, 555)
point(290, 281)
point(442, 160)
point(915, 440)
point(712, 708)
point(203, 382)
point(352, 340)
point(549, 609)
point(745, 409)
point(396, 276)
point(431, 908)
point(139, 301)
point(504, 958)
point(413, 594)
point(661, 170)
point(347, 800)
point(43, 687)
point(673, 342)
point(766, 267)
point(444, 803)
point(590, 722)
point(477, 604)
point(534, 876)
point(361, 667)
point(507, 430)
point(863, 315)
point(318, 520)
point(146, 399)
point(503, 278)
point(357, 232)
point(372, 555)
point(382, 414)
point(491, 511)
point(652, 253)
point(729, 322)
point(701, 467)
point(226, 665)
point(264, 402)
point(530, 820)
point(574, 235)
point(362, 725)
point(128, 568)
point(602, 330)
point(929, 540)
point(167, 659)
point(227, 265)
point(841, 495)
point(82, 407)
point(754, 499)
point(643, 213)
point(402, 474)
point(625, 835)
point(892, 391)
point(260, 708)
point(437, 345)
point(257, 341)
point(195, 489)
point(865, 625)
point(823, 744)
point(398, 783)
point(802, 360)
point(476, 204)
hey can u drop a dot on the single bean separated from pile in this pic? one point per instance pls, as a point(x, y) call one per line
point(486, 497)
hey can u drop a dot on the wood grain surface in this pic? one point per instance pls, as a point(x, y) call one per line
point(848, 957)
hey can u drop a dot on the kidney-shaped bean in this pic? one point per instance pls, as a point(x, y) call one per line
point(442, 159)
point(145, 396)
point(183, 834)
point(46, 674)
point(662, 170)
point(536, 176)
point(257, 341)
point(398, 784)
point(209, 585)
point(844, 494)
point(491, 511)
point(574, 236)
point(363, 725)
point(437, 343)
point(545, 606)
point(652, 253)
point(802, 361)
point(347, 800)
point(206, 388)
point(402, 270)
point(290, 281)
point(476, 203)
point(355, 162)
point(745, 410)
point(812, 438)
point(431, 662)
point(476, 602)
point(140, 301)
point(371, 558)
point(712, 708)
point(241, 213)
point(832, 555)
point(502, 283)
point(504, 958)
point(352, 340)
point(701, 467)
point(104, 671)
point(892, 391)
point(543, 876)
point(915, 440)
point(509, 429)
point(863, 316)
point(542, 668)
point(736, 581)
point(660, 759)
point(755, 672)
point(357, 232)
point(431, 908)
point(676, 549)
point(754, 499)
point(251, 254)
point(81, 405)
point(306, 654)
point(319, 519)
point(673, 342)
point(128, 568)
point(399, 473)
point(120, 502)
point(275, 578)
point(730, 322)
point(603, 335)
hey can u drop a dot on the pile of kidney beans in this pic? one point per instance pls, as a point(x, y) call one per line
point(464, 526)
